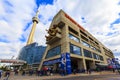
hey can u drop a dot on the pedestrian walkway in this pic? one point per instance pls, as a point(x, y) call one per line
point(34, 77)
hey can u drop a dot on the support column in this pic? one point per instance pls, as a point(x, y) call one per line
point(43, 58)
point(84, 64)
point(80, 64)
point(65, 40)
point(54, 67)
point(92, 65)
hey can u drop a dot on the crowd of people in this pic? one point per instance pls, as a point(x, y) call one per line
point(47, 71)
point(6, 74)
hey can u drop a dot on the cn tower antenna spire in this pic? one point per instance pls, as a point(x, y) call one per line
point(37, 13)
point(35, 21)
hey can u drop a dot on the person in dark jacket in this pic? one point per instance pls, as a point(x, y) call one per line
point(7, 75)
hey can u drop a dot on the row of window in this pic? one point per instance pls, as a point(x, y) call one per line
point(98, 57)
point(53, 52)
point(74, 50)
point(83, 42)
point(77, 50)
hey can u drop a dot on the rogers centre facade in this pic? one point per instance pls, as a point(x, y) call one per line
point(70, 46)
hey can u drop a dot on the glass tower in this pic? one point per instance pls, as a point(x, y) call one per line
point(32, 53)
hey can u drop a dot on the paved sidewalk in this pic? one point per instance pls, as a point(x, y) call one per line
point(78, 74)
point(34, 77)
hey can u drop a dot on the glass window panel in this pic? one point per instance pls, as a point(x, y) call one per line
point(101, 58)
point(85, 44)
point(73, 38)
point(98, 50)
point(53, 52)
point(87, 53)
point(96, 56)
point(75, 49)
point(32, 53)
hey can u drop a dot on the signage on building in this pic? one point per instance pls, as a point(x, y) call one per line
point(51, 62)
point(114, 59)
point(74, 22)
point(109, 61)
point(113, 62)
point(66, 62)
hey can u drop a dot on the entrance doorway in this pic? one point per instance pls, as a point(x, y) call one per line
point(88, 64)
point(74, 64)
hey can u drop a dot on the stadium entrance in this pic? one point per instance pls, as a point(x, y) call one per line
point(90, 64)
point(77, 64)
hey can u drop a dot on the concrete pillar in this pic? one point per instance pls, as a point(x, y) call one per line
point(80, 64)
point(92, 65)
point(84, 64)
point(65, 40)
point(55, 67)
point(43, 58)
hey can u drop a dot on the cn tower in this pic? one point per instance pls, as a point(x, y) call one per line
point(35, 21)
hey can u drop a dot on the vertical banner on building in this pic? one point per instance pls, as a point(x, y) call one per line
point(66, 62)
point(109, 61)
point(113, 62)
point(63, 62)
point(114, 59)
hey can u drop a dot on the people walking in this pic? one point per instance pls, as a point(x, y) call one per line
point(74, 71)
point(16, 71)
point(23, 73)
point(89, 71)
point(0, 74)
point(7, 75)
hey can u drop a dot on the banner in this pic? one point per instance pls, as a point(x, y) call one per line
point(51, 62)
point(114, 59)
point(66, 63)
point(64, 60)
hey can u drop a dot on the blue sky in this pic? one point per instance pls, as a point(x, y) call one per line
point(100, 18)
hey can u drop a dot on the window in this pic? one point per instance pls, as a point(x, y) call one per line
point(84, 38)
point(75, 49)
point(73, 31)
point(96, 56)
point(91, 39)
point(96, 43)
point(92, 47)
point(98, 50)
point(53, 52)
point(83, 33)
point(73, 38)
point(87, 53)
point(85, 44)
point(101, 58)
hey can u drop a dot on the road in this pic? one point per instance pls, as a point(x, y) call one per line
point(92, 77)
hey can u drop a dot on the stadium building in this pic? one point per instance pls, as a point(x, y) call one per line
point(70, 46)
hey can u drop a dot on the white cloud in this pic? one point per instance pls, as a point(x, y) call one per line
point(15, 14)
point(40, 33)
